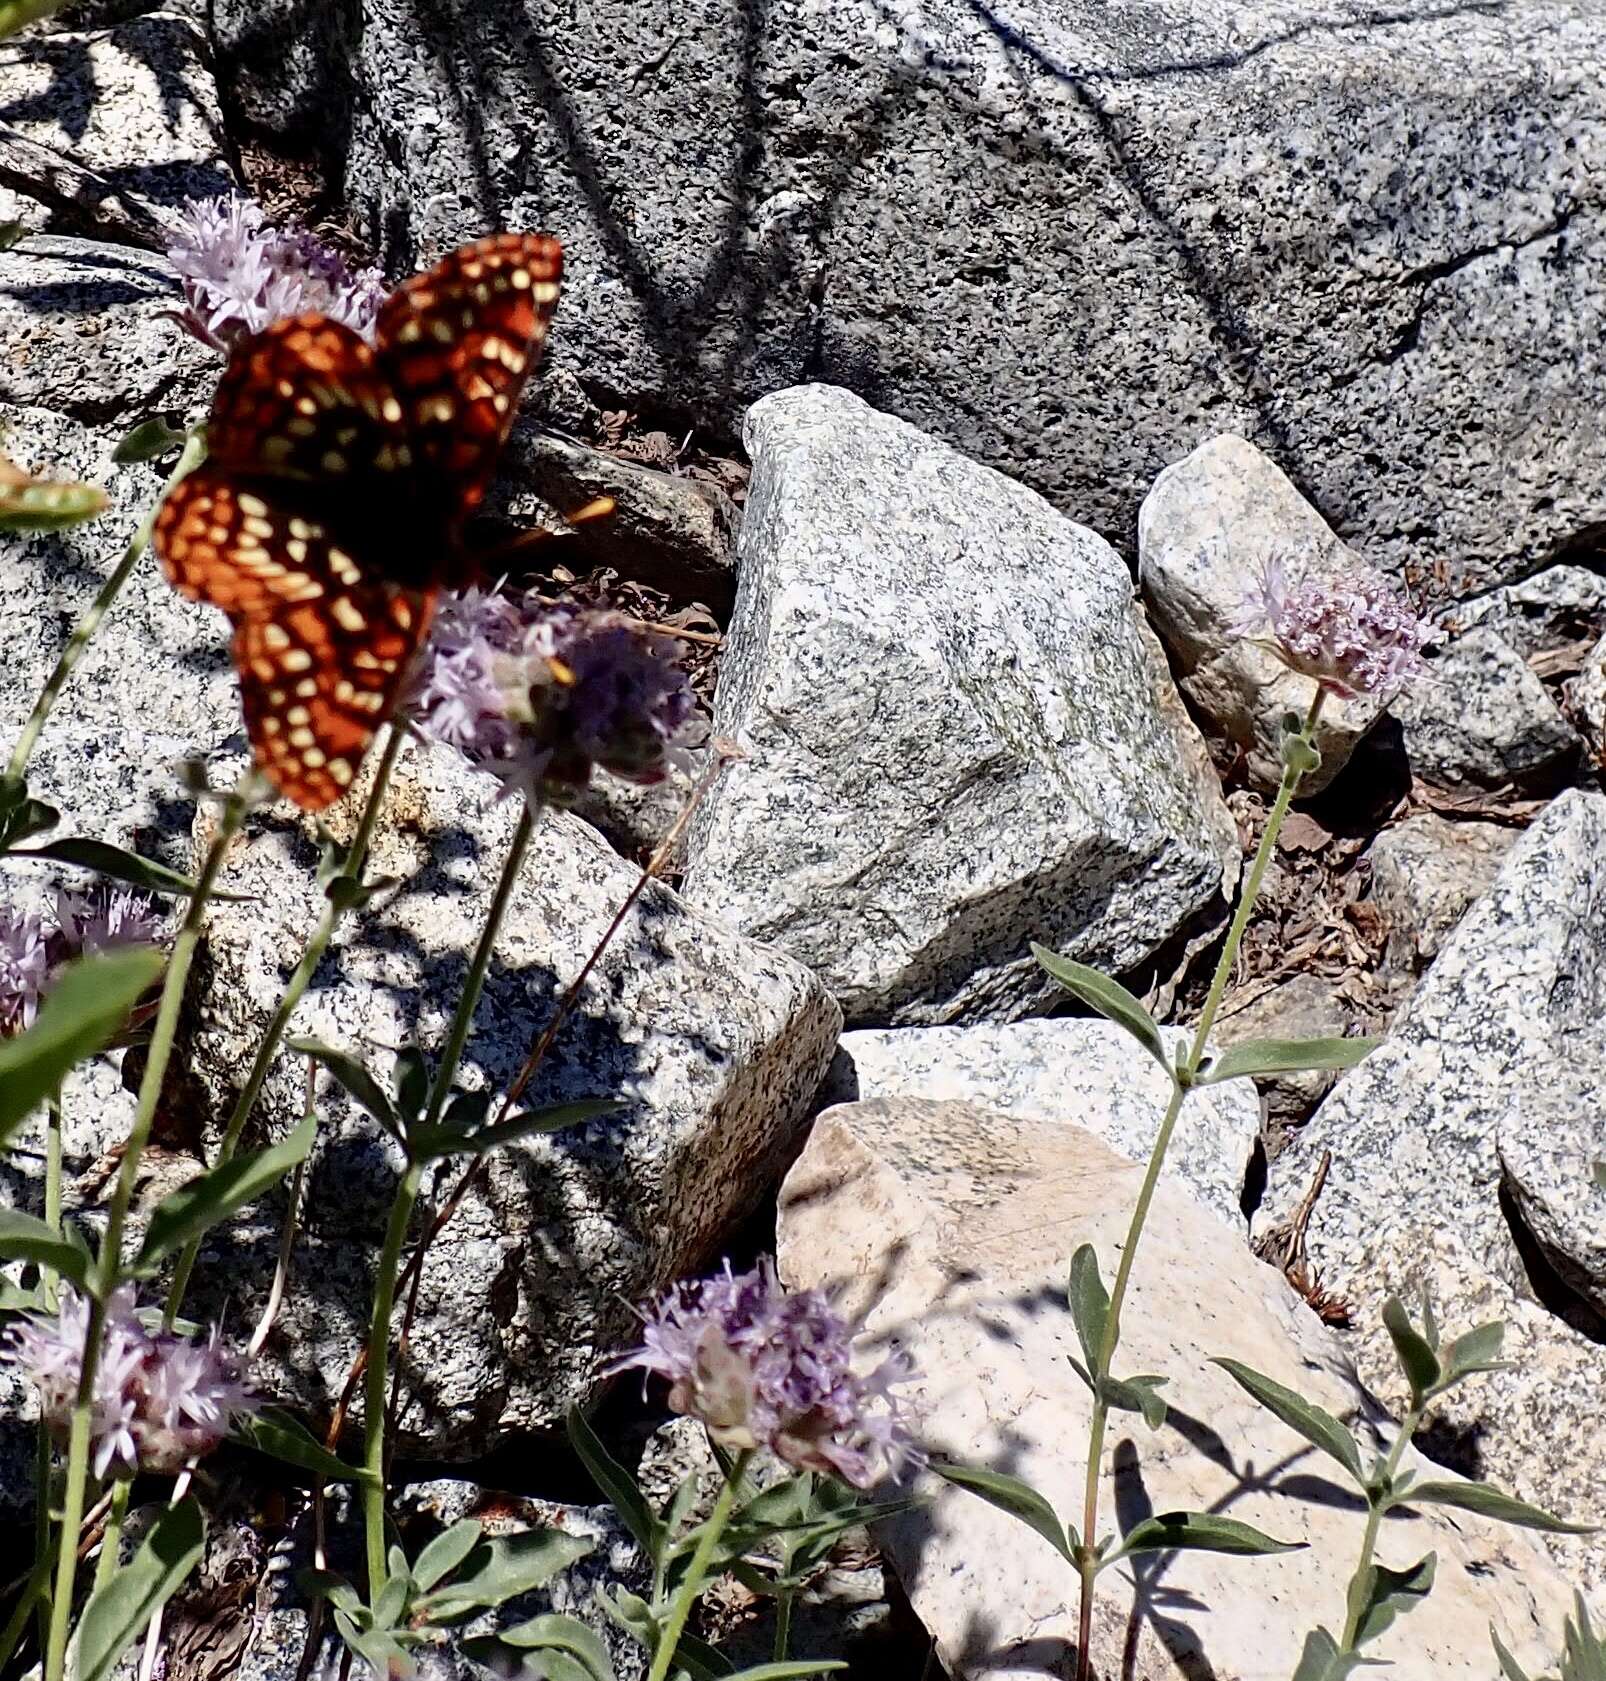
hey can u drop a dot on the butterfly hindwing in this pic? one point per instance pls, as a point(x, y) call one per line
point(457, 344)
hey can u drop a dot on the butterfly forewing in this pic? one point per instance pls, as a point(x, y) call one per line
point(457, 344)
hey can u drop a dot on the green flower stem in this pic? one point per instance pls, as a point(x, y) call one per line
point(190, 458)
point(111, 1546)
point(1376, 1500)
point(273, 1036)
point(696, 1571)
point(44, 1456)
point(1088, 1554)
point(108, 1264)
point(373, 1423)
point(783, 1625)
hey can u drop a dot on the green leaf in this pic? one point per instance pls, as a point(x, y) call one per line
point(284, 1437)
point(411, 1082)
point(18, 14)
point(22, 818)
point(148, 441)
point(1285, 1056)
point(1322, 1660)
point(1109, 998)
point(12, 232)
point(325, 1584)
point(1377, 1595)
point(1600, 1175)
point(1509, 1667)
point(1090, 1303)
point(377, 1647)
point(193, 1208)
point(792, 1670)
point(1476, 1351)
point(1584, 1657)
point(631, 1612)
point(391, 1604)
point(441, 1557)
point(118, 1611)
point(616, 1483)
point(1430, 1323)
point(356, 1079)
point(699, 1661)
point(121, 865)
point(555, 1633)
point(1417, 1359)
point(23, 1238)
point(1137, 1395)
point(1019, 1499)
point(1197, 1532)
point(1305, 1418)
point(499, 1570)
point(83, 1011)
point(431, 1143)
point(1489, 1502)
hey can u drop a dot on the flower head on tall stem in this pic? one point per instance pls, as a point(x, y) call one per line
point(240, 274)
point(102, 920)
point(1352, 631)
point(760, 1368)
point(159, 1398)
point(24, 969)
point(542, 693)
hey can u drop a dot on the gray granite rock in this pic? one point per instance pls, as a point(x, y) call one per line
point(1205, 535)
point(1071, 239)
point(85, 334)
point(1304, 1007)
point(1584, 698)
point(713, 1046)
point(1481, 717)
point(1080, 1071)
point(1548, 1156)
point(952, 734)
point(950, 1229)
point(1426, 871)
point(1502, 1042)
point(1554, 608)
point(108, 128)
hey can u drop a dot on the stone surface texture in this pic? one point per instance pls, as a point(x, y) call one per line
point(712, 1045)
point(1584, 698)
point(106, 129)
point(952, 1228)
point(1073, 240)
point(952, 733)
point(1481, 717)
point(1553, 609)
point(1306, 1006)
point(1206, 533)
point(1081, 1071)
point(1426, 871)
point(1501, 1048)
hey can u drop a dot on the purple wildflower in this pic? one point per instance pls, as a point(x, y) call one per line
point(24, 969)
point(160, 1399)
point(1353, 632)
point(104, 920)
point(240, 274)
point(540, 693)
point(760, 1368)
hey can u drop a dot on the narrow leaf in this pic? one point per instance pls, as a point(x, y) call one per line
point(435, 1142)
point(1109, 998)
point(23, 818)
point(793, 1670)
point(121, 865)
point(1305, 1418)
point(1509, 1667)
point(1322, 1660)
point(1197, 1532)
point(1090, 1303)
point(84, 1011)
point(1417, 1359)
point(499, 1570)
point(118, 1611)
point(412, 1082)
point(1489, 1502)
point(1476, 1351)
point(1378, 1595)
point(440, 1557)
point(554, 1632)
point(1137, 1395)
point(148, 441)
point(24, 1238)
point(614, 1481)
point(390, 1602)
point(1285, 1056)
point(1600, 1175)
point(356, 1079)
point(193, 1208)
point(1019, 1499)
point(325, 1584)
point(284, 1437)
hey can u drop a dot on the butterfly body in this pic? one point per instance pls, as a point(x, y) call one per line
point(330, 511)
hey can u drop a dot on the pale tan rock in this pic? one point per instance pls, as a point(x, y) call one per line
point(951, 1229)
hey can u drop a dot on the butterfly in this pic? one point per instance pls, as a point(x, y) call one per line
point(329, 513)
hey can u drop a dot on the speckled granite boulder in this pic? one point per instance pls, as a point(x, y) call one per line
point(1502, 1048)
point(953, 726)
point(1205, 535)
point(1070, 238)
point(712, 1044)
point(1481, 717)
point(1555, 608)
point(951, 1228)
point(1078, 1070)
point(107, 128)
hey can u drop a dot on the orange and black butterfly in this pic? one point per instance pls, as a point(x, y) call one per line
point(330, 511)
